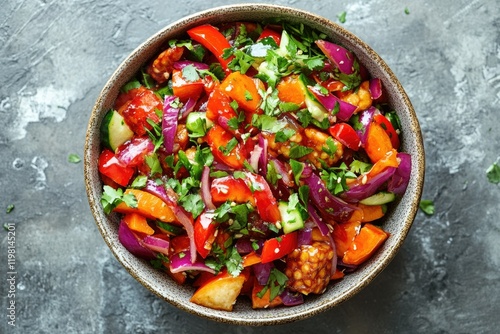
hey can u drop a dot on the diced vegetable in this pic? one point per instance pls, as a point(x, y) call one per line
point(369, 239)
point(291, 218)
point(114, 130)
point(379, 198)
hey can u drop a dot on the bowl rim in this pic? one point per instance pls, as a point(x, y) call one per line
point(270, 317)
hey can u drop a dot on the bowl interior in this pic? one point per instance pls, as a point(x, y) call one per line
point(398, 220)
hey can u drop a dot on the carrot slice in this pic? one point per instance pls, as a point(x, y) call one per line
point(378, 143)
point(291, 90)
point(243, 90)
point(250, 259)
point(371, 212)
point(138, 223)
point(148, 205)
point(369, 239)
point(344, 234)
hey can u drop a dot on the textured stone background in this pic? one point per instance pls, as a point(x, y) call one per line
point(56, 55)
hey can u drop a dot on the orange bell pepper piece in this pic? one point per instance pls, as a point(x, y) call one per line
point(138, 223)
point(148, 205)
point(243, 90)
point(369, 239)
point(378, 143)
point(291, 90)
point(344, 234)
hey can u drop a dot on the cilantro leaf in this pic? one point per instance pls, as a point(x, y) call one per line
point(297, 169)
point(276, 283)
point(74, 158)
point(493, 173)
point(9, 208)
point(193, 203)
point(112, 197)
point(427, 206)
point(229, 147)
point(190, 73)
point(341, 16)
point(284, 135)
point(299, 151)
point(139, 182)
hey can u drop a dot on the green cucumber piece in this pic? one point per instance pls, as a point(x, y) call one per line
point(114, 130)
point(169, 228)
point(316, 109)
point(291, 219)
point(193, 124)
point(379, 198)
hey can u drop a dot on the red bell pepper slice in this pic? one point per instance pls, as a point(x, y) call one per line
point(346, 134)
point(185, 89)
point(228, 188)
point(278, 247)
point(219, 108)
point(218, 138)
point(139, 109)
point(212, 39)
point(112, 168)
point(386, 124)
point(266, 203)
point(268, 32)
point(204, 234)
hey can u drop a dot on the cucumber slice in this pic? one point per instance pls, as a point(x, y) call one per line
point(169, 228)
point(316, 109)
point(380, 198)
point(291, 220)
point(114, 130)
point(197, 123)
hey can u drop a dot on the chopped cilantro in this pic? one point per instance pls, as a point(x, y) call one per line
point(193, 203)
point(493, 173)
point(284, 134)
point(336, 178)
point(272, 175)
point(190, 73)
point(276, 283)
point(330, 147)
point(130, 85)
point(341, 16)
point(229, 147)
point(74, 158)
point(299, 151)
point(268, 123)
point(139, 182)
point(359, 167)
point(155, 134)
point(9, 209)
point(112, 197)
point(427, 206)
point(198, 128)
point(154, 164)
point(407, 11)
point(297, 169)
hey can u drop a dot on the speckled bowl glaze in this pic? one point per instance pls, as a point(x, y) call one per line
point(398, 220)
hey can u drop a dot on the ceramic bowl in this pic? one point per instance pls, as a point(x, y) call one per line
point(398, 220)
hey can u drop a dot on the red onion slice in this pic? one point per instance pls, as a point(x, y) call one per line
point(132, 243)
point(205, 189)
point(343, 59)
point(169, 123)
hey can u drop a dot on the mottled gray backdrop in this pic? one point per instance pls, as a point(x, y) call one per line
point(56, 55)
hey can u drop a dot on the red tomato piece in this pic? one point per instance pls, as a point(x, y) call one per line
point(345, 134)
point(179, 244)
point(212, 39)
point(389, 128)
point(204, 234)
point(185, 89)
point(218, 138)
point(218, 107)
point(278, 247)
point(142, 107)
point(228, 188)
point(112, 168)
point(268, 32)
point(266, 203)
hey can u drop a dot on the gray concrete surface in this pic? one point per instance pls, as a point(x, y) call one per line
point(56, 55)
